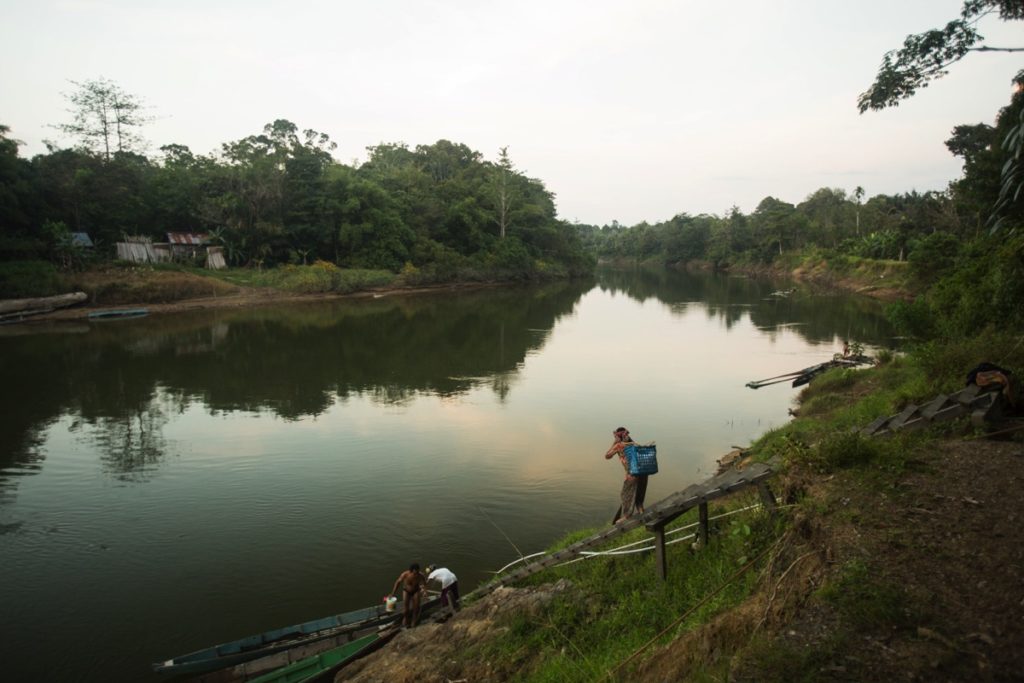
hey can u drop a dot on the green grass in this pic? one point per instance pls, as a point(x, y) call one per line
point(618, 603)
point(320, 278)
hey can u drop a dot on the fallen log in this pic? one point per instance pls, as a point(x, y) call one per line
point(41, 304)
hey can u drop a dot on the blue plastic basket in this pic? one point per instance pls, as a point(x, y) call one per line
point(642, 458)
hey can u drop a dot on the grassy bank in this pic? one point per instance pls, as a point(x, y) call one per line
point(838, 586)
point(123, 283)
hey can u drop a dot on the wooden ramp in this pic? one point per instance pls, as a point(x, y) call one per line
point(655, 519)
point(981, 405)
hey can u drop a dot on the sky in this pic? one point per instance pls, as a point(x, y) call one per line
point(629, 111)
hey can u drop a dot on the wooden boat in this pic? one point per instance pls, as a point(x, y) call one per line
point(266, 643)
point(117, 314)
point(323, 666)
point(339, 627)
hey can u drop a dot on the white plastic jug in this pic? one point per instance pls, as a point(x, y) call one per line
point(389, 603)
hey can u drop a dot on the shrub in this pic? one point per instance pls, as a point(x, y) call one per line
point(23, 279)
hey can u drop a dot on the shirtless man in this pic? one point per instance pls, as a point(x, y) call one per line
point(414, 584)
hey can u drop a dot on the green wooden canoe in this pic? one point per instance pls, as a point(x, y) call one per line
point(319, 667)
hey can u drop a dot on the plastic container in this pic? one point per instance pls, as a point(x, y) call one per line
point(642, 458)
point(389, 603)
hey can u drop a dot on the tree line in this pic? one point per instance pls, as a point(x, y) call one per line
point(279, 197)
point(971, 266)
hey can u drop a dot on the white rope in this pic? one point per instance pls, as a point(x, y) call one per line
point(620, 550)
point(521, 559)
point(588, 555)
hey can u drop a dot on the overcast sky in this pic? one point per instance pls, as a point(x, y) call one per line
point(631, 110)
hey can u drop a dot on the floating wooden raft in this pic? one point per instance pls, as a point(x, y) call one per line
point(805, 375)
point(983, 405)
point(655, 519)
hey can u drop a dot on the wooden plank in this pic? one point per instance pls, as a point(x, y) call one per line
point(875, 425)
point(987, 411)
point(967, 394)
point(660, 563)
point(907, 413)
point(767, 498)
point(935, 405)
point(703, 529)
point(657, 517)
point(952, 412)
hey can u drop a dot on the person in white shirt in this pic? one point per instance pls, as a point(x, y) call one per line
point(449, 585)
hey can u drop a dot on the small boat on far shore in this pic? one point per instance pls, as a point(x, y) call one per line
point(117, 314)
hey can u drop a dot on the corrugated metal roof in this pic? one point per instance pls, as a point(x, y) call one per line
point(191, 238)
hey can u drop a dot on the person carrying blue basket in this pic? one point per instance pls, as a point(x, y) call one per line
point(634, 487)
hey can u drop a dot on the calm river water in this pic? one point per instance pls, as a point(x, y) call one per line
point(173, 482)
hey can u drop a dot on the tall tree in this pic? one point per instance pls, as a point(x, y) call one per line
point(503, 190)
point(858, 195)
point(105, 118)
point(927, 56)
point(15, 186)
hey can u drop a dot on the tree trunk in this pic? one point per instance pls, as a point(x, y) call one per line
point(51, 302)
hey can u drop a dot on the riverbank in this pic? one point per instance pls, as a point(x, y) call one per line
point(890, 560)
point(883, 280)
point(173, 291)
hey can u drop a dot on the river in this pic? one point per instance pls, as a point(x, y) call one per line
point(172, 482)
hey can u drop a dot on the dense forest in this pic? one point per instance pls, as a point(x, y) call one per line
point(279, 197)
point(442, 212)
point(970, 263)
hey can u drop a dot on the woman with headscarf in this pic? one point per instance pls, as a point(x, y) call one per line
point(634, 487)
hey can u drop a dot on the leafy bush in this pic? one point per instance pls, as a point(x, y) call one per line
point(933, 256)
point(914, 319)
point(510, 255)
point(321, 277)
point(24, 279)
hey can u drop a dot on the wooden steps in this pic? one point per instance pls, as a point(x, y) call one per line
point(981, 405)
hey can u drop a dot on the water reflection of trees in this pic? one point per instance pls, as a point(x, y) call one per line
point(129, 444)
point(817, 317)
point(121, 381)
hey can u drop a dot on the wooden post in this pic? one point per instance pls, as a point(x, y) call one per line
point(767, 498)
point(702, 526)
point(660, 562)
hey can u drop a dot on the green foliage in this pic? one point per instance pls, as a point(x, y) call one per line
point(25, 279)
point(913, 319)
point(278, 197)
point(926, 56)
point(985, 289)
point(844, 450)
point(933, 256)
point(322, 277)
point(946, 365)
point(617, 604)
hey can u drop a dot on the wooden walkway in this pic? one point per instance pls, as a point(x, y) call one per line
point(655, 519)
point(982, 405)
